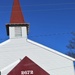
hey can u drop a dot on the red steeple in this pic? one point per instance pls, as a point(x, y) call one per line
point(16, 16)
point(16, 19)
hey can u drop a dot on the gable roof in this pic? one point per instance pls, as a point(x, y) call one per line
point(51, 50)
point(45, 47)
point(27, 66)
point(32, 43)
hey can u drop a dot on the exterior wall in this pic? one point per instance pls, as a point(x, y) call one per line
point(53, 63)
point(7, 69)
point(11, 32)
point(24, 32)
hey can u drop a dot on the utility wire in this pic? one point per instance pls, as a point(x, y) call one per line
point(46, 10)
point(43, 4)
point(61, 68)
point(42, 9)
point(49, 4)
point(55, 34)
point(45, 35)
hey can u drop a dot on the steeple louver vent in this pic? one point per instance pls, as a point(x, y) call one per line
point(18, 31)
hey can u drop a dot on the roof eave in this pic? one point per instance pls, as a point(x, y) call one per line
point(51, 50)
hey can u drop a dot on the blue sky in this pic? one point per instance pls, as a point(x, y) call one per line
point(51, 21)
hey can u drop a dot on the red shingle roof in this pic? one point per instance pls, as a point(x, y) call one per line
point(16, 16)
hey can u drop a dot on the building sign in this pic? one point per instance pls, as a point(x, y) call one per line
point(27, 72)
point(27, 67)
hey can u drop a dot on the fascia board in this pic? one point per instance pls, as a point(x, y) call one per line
point(5, 42)
point(5, 68)
point(51, 50)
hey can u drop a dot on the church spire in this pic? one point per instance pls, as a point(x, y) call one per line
point(17, 28)
point(16, 15)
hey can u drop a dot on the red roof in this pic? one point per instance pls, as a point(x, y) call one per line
point(27, 67)
point(16, 16)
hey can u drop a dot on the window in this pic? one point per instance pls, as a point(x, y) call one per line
point(18, 31)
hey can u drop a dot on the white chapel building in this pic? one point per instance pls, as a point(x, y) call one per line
point(22, 56)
